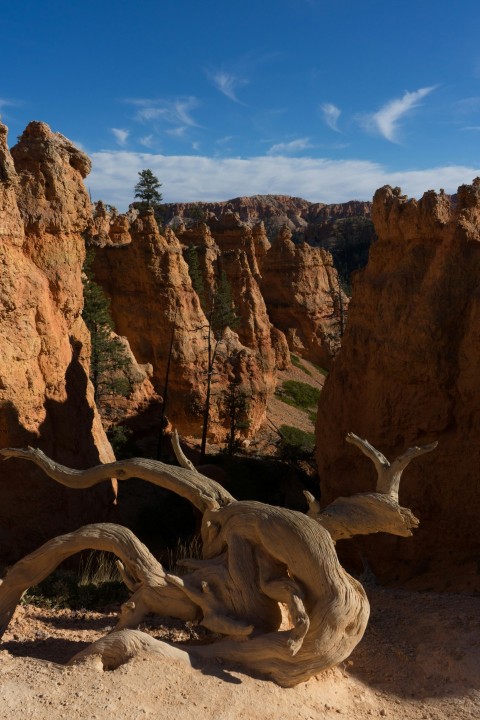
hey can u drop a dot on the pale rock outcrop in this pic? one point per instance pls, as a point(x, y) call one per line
point(407, 373)
point(45, 397)
point(299, 285)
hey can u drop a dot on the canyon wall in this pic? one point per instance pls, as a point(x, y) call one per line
point(153, 304)
point(408, 374)
point(344, 229)
point(46, 399)
point(302, 291)
point(274, 210)
point(277, 289)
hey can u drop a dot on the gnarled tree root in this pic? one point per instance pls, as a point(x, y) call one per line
point(152, 590)
point(122, 646)
point(255, 557)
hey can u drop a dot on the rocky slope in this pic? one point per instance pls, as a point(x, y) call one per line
point(407, 374)
point(45, 397)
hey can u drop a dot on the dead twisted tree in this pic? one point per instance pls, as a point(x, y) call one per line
point(256, 557)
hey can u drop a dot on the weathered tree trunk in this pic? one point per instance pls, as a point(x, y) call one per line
point(256, 557)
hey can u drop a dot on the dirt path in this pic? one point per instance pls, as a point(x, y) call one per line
point(419, 659)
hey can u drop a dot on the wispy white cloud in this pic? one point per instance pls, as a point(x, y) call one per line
point(197, 177)
point(5, 103)
point(177, 131)
point(331, 113)
point(387, 119)
point(175, 112)
point(147, 141)
point(467, 106)
point(121, 135)
point(227, 83)
point(286, 148)
point(224, 140)
point(472, 127)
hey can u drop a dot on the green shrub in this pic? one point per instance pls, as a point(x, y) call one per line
point(295, 444)
point(298, 364)
point(300, 395)
point(320, 369)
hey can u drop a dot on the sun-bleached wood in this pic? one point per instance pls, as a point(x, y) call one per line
point(145, 577)
point(200, 490)
point(182, 459)
point(256, 557)
point(371, 512)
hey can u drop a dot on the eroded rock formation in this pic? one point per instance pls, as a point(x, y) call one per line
point(301, 289)
point(45, 396)
point(274, 210)
point(408, 372)
point(153, 304)
point(147, 281)
point(278, 290)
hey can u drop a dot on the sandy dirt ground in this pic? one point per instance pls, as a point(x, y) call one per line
point(419, 659)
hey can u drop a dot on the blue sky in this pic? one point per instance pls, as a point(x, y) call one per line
point(323, 99)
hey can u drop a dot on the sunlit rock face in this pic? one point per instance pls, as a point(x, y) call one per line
point(408, 374)
point(274, 211)
point(46, 399)
point(155, 306)
point(300, 287)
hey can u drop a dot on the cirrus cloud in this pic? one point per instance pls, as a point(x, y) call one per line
point(386, 120)
point(226, 83)
point(121, 136)
point(286, 148)
point(331, 114)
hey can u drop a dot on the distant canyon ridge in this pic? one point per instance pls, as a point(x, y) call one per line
point(344, 229)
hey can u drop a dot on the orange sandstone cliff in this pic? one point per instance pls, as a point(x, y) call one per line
point(301, 289)
point(281, 291)
point(46, 399)
point(153, 302)
point(408, 374)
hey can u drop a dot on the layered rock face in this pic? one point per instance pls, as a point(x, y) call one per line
point(301, 289)
point(407, 374)
point(274, 210)
point(46, 399)
point(278, 290)
point(148, 282)
point(344, 229)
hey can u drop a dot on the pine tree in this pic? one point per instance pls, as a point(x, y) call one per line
point(146, 190)
point(235, 410)
point(195, 272)
point(109, 360)
point(220, 316)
